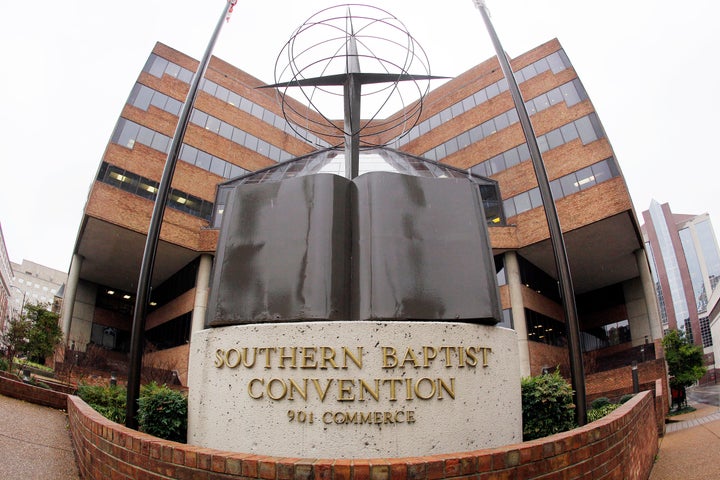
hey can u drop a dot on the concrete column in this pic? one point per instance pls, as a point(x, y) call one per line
point(512, 273)
point(69, 295)
point(202, 289)
point(653, 311)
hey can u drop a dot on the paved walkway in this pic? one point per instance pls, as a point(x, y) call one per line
point(34, 442)
point(691, 446)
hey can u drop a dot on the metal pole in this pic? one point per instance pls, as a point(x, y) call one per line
point(556, 236)
point(153, 236)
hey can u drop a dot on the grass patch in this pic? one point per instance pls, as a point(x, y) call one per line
point(682, 411)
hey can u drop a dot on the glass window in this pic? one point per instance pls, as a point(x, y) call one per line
point(569, 184)
point(213, 124)
point(530, 107)
point(512, 157)
point(488, 128)
point(173, 106)
point(158, 66)
point(160, 142)
point(468, 104)
point(542, 143)
point(541, 65)
point(238, 136)
point(172, 69)
point(185, 75)
point(503, 85)
point(556, 63)
point(251, 142)
point(198, 118)
point(463, 140)
point(522, 202)
point(480, 169)
point(493, 90)
point(519, 76)
point(541, 102)
point(143, 97)
point(222, 93)
point(497, 164)
point(233, 99)
point(555, 96)
point(210, 87)
point(456, 110)
point(203, 160)
point(524, 152)
point(451, 146)
point(585, 130)
point(585, 178)
point(556, 190)
point(601, 172)
point(128, 132)
point(147, 188)
point(159, 100)
point(475, 134)
point(246, 105)
point(480, 97)
point(512, 116)
point(145, 136)
point(535, 198)
point(501, 122)
point(446, 115)
point(226, 130)
point(263, 148)
point(217, 166)
point(529, 72)
point(569, 132)
point(570, 94)
point(509, 207)
point(554, 138)
point(188, 153)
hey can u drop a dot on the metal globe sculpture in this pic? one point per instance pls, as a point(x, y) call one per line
point(360, 55)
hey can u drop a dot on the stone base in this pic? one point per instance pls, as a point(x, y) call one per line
point(354, 389)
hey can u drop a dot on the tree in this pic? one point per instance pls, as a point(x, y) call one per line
point(44, 335)
point(684, 359)
point(15, 338)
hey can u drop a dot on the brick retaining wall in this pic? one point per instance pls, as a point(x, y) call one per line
point(10, 386)
point(621, 445)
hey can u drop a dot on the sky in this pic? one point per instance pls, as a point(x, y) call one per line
point(649, 66)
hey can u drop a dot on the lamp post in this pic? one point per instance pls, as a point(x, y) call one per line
point(153, 237)
point(556, 236)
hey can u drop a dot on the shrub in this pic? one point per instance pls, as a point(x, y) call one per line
point(547, 405)
point(599, 403)
point(597, 413)
point(626, 397)
point(110, 402)
point(4, 365)
point(162, 412)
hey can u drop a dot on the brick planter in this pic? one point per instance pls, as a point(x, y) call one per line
point(621, 445)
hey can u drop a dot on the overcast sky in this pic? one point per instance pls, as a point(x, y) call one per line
point(649, 66)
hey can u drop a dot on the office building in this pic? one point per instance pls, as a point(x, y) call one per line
point(237, 134)
point(685, 263)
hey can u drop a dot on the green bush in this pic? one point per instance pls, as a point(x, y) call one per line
point(599, 403)
point(626, 397)
point(162, 412)
point(110, 402)
point(597, 413)
point(4, 365)
point(547, 405)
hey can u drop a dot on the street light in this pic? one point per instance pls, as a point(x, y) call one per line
point(556, 236)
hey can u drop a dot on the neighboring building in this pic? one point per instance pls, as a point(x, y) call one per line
point(36, 284)
point(6, 274)
point(468, 123)
point(685, 263)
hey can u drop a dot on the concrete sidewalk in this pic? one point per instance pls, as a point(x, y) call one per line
point(34, 442)
point(691, 445)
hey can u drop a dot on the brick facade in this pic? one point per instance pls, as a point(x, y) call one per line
point(621, 445)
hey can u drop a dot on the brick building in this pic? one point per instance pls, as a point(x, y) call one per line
point(467, 123)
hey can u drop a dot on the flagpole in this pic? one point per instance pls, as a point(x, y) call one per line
point(148, 260)
point(567, 292)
